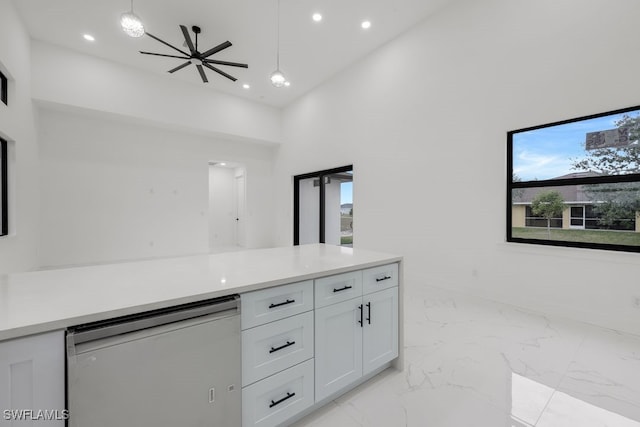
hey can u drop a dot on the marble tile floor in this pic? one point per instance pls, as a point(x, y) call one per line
point(471, 362)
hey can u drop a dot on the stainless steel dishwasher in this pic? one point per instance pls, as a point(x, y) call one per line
point(172, 367)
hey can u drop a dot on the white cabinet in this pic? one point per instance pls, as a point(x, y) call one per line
point(267, 305)
point(357, 336)
point(380, 332)
point(279, 397)
point(277, 354)
point(304, 342)
point(276, 346)
point(32, 379)
point(338, 346)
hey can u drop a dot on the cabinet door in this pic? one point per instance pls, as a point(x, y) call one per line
point(32, 378)
point(380, 340)
point(338, 346)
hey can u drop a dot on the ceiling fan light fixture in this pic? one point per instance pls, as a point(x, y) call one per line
point(277, 79)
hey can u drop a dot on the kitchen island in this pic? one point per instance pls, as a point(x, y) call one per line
point(42, 305)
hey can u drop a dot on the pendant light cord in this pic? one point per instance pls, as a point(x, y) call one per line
point(131, 6)
point(278, 38)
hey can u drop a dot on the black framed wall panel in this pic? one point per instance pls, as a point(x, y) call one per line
point(4, 88)
point(4, 188)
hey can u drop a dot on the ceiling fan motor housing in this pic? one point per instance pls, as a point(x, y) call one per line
point(200, 60)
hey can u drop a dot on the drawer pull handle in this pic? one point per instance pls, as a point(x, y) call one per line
point(369, 315)
point(361, 312)
point(380, 279)
point(288, 301)
point(288, 344)
point(288, 396)
point(342, 289)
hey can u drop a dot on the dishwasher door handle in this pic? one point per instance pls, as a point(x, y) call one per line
point(131, 323)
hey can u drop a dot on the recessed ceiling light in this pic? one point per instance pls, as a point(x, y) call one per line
point(89, 38)
point(366, 24)
point(287, 83)
point(223, 164)
point(246, 86)
point(317, 17)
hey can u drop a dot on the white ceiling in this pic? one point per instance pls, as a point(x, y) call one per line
point(310, 52)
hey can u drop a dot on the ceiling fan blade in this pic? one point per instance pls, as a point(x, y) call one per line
point(216, 49)
point(167, 44)
point(187, 38)
point(202, 74)
point(180, 67)
point(162, 54)
point(231, 64)
point(233, 79)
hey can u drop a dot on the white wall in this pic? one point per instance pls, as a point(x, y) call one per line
point(424, 121)
point(114, 190)
point(62, 76)
point(18, 251)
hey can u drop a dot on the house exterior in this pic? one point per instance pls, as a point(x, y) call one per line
point(580, 208)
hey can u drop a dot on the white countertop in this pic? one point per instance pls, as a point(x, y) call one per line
point(42, 301)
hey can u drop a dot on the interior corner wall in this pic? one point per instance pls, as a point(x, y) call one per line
point(114, 190)
point(424, 119)
point(18, 250)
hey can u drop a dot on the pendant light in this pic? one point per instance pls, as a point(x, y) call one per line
point(277, 78)
point(131, 23)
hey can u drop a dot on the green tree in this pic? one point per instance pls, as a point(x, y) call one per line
point(616, 204)
point(549, 205)
point(516, 193)
point(615, 160)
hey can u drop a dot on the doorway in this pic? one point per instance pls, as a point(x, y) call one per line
point(227, 202)
point(323, 207)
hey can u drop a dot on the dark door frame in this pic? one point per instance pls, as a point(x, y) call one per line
point(321, 175)
point(4, 188)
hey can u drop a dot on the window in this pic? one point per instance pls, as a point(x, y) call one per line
point(323, 207)
point(4, 189)
point(3, 88)
point(576, 182)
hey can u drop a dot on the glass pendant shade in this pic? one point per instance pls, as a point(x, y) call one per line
point(131, 24)
point(277, 78)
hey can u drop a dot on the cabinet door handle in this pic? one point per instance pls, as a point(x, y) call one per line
point(288, 396)
point(342, 289)
point(381, 279)
point(288, 301)
point(288, 344)
point(361, 312)
point(369, 313)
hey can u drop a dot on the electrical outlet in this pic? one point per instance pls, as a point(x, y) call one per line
point(636, 301)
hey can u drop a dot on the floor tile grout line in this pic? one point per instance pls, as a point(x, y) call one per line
point(566, 372)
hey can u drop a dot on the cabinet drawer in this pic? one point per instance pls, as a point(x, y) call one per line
point(338, 288)
point(379, 278)
point(267, 305)
point(276, 346)
point(275, 399)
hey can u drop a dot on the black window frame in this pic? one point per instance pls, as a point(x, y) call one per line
point(4, 188)
point(551, 183)
point(296, 200)
point(4, 87)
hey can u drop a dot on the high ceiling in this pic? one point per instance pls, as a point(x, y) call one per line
point(310, 52)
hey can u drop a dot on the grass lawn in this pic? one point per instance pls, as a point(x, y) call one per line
point(346, 240)
point(628, 238)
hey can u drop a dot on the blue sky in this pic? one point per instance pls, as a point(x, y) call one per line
point(548, 152)
point(346, 193)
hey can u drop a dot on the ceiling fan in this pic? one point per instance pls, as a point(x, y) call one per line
point(195, 57)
